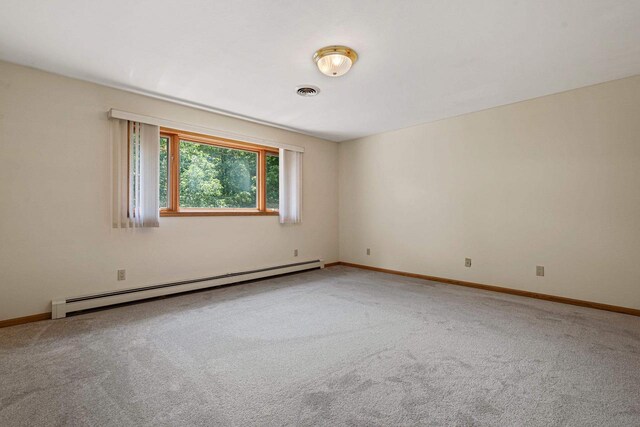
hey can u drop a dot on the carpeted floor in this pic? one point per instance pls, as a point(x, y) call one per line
point(330, 347)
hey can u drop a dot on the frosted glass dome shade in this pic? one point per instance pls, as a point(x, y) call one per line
point(335, 61)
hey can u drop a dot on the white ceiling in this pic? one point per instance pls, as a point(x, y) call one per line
point(419, 60)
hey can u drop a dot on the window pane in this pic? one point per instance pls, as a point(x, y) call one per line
point(273, 186)
point(216, 177)
point(164, 171)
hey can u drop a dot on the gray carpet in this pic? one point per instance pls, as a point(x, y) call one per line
point(338, 346)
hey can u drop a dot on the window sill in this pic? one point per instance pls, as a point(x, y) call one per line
point(225, 212)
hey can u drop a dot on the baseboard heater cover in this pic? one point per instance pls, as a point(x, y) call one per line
point(61, 307)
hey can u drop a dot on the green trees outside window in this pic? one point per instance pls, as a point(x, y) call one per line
point(164, 172)
point(217, 177)
point(273, 188)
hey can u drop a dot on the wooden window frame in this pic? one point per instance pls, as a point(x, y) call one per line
point(173, 182)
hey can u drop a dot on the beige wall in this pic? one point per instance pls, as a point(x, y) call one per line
point(55, 231)
point(553, 181)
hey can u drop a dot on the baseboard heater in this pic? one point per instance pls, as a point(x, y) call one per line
point(61, 307)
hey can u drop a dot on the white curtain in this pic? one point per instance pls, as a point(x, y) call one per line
point(136, 174)
point(290, 186)
point(120, 173)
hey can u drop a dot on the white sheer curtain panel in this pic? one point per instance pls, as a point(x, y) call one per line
point(136, 172)
point(290, 186)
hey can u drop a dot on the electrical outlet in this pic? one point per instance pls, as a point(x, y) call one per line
point(467, 262)
point(122, 274)
point(368, 251)
point(539, 270)
point(295, 252)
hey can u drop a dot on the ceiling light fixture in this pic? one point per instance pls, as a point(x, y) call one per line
point(335, 61)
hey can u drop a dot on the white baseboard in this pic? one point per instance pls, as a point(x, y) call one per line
point(61, 306)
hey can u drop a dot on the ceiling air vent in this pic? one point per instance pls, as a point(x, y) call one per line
point(307, 90)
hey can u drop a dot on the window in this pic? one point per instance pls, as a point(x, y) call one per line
point(164, 171)
point(202, 175)
point(272, 179)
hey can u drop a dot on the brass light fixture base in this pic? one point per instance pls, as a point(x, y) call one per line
point(331, 50)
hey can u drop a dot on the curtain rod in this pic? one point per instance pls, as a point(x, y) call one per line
point(124, 115)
